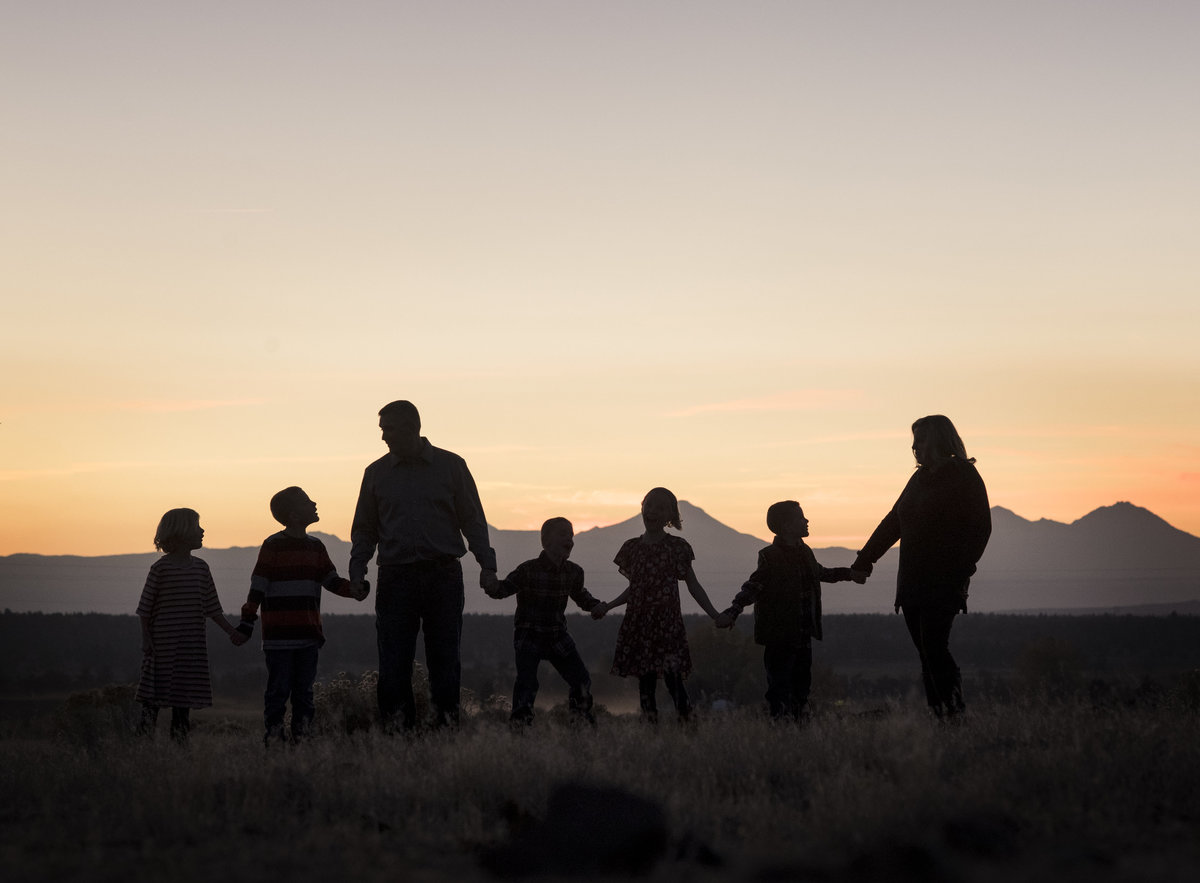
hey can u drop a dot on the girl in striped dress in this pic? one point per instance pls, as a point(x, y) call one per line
point(178, 596)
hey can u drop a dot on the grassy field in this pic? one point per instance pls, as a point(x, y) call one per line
point(1041, 789)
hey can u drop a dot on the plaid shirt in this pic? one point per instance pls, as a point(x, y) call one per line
point(542, 589)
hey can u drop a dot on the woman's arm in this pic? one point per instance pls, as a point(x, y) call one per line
point(883, 538)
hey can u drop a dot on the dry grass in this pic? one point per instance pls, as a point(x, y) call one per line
point(1036, 789)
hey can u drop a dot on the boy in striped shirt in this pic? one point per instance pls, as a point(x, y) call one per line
point(286, 584)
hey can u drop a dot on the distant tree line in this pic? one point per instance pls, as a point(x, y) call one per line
point(863, 656)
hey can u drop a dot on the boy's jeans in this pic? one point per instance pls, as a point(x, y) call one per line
point(428, 595)
point(569, 665)
point(290, 674)
point(789, 676)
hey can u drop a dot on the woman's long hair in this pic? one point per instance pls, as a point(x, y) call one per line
point(946, 440)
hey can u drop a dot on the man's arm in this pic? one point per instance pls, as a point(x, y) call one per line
point(364, 530)
point(472, 522)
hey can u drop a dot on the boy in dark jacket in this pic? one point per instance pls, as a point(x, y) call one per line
point(785, 590)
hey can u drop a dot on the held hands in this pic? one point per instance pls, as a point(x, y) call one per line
point(599, 610)
point(359, 589)
point(238, 638)
point(725, 620)
point(859, 576)
point(488, 582)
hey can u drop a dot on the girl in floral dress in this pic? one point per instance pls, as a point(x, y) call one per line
point(652, 641)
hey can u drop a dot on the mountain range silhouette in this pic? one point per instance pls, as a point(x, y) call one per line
point(1116, 558)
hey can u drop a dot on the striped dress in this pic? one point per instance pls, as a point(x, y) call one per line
point(178, 599)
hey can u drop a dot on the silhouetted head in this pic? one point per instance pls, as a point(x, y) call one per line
point(179, 530)
point(558, 539)
point(292, 507)
point(400, 425)
point(935, 438)
point(660, 509)
point(786, 519)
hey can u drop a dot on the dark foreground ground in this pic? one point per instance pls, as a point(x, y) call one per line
point(1032, 790)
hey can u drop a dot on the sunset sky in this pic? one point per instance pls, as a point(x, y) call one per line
point(731, 248)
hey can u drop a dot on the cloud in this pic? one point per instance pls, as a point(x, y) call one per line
point(170, 407)
point(148, 465)
point(796, 400)
point(497, 449)
point(70, 469)
point(623, 499)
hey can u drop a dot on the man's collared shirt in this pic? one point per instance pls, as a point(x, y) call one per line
point(418, 509)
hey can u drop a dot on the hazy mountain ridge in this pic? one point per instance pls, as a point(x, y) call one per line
point(1119, 556)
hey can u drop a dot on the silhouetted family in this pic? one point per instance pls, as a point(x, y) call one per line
point(418, 513)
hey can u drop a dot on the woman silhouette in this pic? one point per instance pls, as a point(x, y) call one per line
point(943, 522)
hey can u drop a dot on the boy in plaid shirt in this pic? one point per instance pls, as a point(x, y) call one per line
point(542, 586)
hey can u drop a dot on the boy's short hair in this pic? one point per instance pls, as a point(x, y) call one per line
point(554, 522)
point(174, 526)
point(779, 513)
point(281, 503)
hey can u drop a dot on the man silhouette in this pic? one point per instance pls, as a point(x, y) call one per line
point(416, 505)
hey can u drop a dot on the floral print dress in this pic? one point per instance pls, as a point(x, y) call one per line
point(652, 638)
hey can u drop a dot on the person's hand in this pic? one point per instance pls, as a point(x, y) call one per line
point(599, 610)
point(859, 576)
point(238, 638)
point(488, 581)
point(359, 589)
point(724, 620)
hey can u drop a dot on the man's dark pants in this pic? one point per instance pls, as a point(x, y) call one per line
point(789, 676)
point(290, 674)
point(410, 597)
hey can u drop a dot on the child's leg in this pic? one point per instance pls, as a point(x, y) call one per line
point(304, 673)
point(679, 694)
point(279, 685)
point(570, 665)
point(647, 687)
point(181, 723)
point(526, 686)
point(148, 721)
point(780, 663)
point(802, 678)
